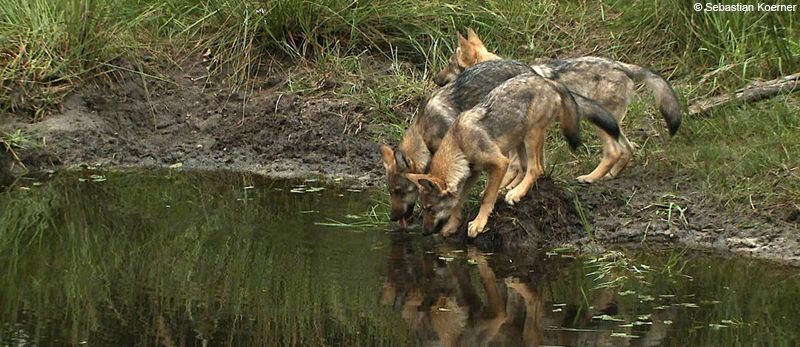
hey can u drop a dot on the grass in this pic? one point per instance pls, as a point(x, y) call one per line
point(50, 46)
point(11, 140)
point(10, 143)
point(384, 53)
point(744, 155)
point(740, 156)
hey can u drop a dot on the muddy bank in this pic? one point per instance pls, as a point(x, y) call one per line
point(628, 212)
point(190, 121)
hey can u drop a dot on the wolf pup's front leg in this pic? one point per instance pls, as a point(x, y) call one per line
point(456, 216)
point(496, 172)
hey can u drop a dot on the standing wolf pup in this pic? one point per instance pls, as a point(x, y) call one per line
point(436, 116)
point(609, 83)
point(513, 117)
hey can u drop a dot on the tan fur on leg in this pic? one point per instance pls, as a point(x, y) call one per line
point(611, 154)
point(451, 227)
point(516, 170)
point(534, 145)
point(496, 172)
point(625, 156)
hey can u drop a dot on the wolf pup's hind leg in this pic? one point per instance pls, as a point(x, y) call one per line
point(516, 168)
point(534, 150)
point(625, 157)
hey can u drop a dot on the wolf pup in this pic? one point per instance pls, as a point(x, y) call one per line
point(610, 83)
point(436, 115)
point(513, 117)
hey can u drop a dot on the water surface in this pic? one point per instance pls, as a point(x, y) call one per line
point(165, 258)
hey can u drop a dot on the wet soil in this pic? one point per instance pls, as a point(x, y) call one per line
point(190, 121)
point(627, 211)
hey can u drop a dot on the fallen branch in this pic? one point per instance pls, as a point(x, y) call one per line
point(754, 92)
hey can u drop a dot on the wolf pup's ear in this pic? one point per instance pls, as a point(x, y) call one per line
point(466, 54)
point(416, 178)
point(401, 163)
point(462, 42)
point(387, 154)
point(428, 185)
point(473, 38)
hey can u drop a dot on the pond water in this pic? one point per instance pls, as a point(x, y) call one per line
point(196, 259)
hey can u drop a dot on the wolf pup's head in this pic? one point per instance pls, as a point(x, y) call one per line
point(436, 201)
point(470, 51)
point(403, 192)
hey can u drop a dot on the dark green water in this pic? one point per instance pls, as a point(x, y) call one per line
point(193, 259)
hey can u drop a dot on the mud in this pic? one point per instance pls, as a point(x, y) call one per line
point(547, 216)
point(625, 211)
point(187, 120)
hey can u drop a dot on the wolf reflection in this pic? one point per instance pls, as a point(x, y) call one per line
point(444, 305)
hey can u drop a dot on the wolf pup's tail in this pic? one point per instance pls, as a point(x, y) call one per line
point(598, 115)
point(568, 116)
point(666, 99)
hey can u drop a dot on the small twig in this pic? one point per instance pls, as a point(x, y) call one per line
point(277, 102)
point(646, 229)
point(147, 96)
point(14, 155)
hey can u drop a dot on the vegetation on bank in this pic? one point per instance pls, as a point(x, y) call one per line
point(49, 46)
point(384, 52)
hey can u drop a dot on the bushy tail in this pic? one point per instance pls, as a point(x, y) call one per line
point(666, 99)
point(568, 116)
point(598, 115)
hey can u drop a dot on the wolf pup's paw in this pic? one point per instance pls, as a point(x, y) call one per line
point(475, 227)
point(587, 179)
point(513, 196)
point(515, 283)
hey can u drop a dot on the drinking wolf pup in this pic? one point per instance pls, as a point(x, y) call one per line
point(436, 114)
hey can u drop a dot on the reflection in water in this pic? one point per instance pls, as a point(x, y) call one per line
point(443, 305)
point(187, 259)
point(196, 259)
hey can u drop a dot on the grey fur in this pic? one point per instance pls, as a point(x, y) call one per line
point(610, 83)
point(400, 161)
point(444, 104)
point(503, 114)
point(665, 96)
